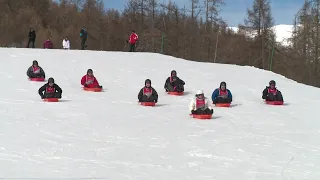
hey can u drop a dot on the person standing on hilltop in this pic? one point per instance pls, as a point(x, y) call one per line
point(32, 38)
point(65, 43)
point(83, 36)
point(133, 39)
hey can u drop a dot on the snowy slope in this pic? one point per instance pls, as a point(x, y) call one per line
point(283, 33)
point(108, 135)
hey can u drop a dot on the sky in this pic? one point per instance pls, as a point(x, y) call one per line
point(234, 11)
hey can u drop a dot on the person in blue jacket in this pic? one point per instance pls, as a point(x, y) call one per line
point(221, 94)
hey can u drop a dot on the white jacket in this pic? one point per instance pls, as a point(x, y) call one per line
point(66, 44)
point(192, 105)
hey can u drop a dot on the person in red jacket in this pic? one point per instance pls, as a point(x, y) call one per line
point(48, 44)
point(89, 80)
point(133, 40)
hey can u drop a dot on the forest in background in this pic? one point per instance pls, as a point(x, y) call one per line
point(195, 32)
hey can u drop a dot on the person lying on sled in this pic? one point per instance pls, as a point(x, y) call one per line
point(174, 83)
point(35, 71)
point(221, 94)
point(271, 93)
point(200, 104)
point(148, 93)
point(50, 90)
point(89, 80)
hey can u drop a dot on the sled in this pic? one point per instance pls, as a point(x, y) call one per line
point(148, 103)
point(37, 79)
point(92, 89)
point(201, 116)
point(176, 93)
point(51, 99)
point(223, 104)
point(274, 102)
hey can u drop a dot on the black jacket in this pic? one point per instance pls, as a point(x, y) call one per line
point(175, 83)
point(154, 94)
point(43, 89)
point(265, 94)
point(32, 35)
point(30, 71)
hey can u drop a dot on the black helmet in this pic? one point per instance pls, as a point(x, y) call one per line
point(174, 71)
point(89, 71)
point(174, 78)
point(272, 82)
point(35, 62)
point(147, 81)
point(223, 83)
point(51, 80)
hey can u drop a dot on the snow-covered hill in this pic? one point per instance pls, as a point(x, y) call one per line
point(283, 33)
point(108, 135)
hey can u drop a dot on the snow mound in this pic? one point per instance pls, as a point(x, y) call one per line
point(107, 135)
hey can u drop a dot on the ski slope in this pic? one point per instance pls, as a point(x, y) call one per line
point(107, 135)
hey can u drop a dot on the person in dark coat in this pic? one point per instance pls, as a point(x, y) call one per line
point(174, 83)
point(221, 94)
point(271, 93)
point(32, 38)
point(35, 71)
point(148, 93)
point(83, 36)
point(50, 90)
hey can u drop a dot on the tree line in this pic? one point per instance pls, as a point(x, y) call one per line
point(194, 32)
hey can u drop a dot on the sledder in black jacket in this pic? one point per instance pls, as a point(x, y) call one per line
point(50, 90)
point(271, 93)
point(35, 71)
point(148, 93)
point(174, 83)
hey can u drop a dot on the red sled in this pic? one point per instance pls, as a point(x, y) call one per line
point(51, 99)
point(176, 93)
point(148, 103)
point(37, 79)
point(223, 104)
point(92, 89)
point(274, 102)
point(201, 116)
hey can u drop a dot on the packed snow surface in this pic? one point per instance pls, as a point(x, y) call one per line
point(108, 135)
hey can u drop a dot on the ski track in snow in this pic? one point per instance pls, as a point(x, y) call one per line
point(108, 135)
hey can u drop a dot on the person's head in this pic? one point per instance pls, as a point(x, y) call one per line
point(174, 78)
point(200, 94)
point(272, 84)
point(223, 86)
point(35, 63)
point(90, 72)
point(31, 29)
point(147, 83)
point(173, 73)
point(51, 81)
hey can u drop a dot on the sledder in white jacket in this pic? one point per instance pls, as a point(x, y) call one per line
point(66, 43)
point(200, 104)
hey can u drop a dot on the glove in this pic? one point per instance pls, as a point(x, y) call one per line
point(193, 112)
point(42, 97)
point(155, 101)
point(100, 87)
point(211, 111)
